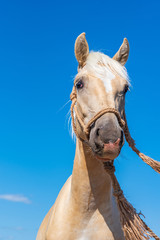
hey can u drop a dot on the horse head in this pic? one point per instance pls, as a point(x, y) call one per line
point(101, 83)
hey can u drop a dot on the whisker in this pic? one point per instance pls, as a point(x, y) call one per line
point(70, 128)
point(63, 106)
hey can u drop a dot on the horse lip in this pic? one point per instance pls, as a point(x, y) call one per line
point(109, 151)
point(110, 147)
point(104, 159)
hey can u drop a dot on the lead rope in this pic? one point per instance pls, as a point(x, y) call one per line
point(151, 162)
point(133, 226)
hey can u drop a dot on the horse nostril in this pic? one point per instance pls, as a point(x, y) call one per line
point(98, 147)
point(97, 132)
point(121, 137)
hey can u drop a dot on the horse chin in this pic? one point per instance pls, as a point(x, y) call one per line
point(110, 156)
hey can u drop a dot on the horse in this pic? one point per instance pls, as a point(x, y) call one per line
point(87, 207)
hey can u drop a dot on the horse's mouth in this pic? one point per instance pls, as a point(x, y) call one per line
point(104, 159)
point(109, 151)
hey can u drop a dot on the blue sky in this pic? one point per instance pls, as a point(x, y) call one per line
point(37, 66)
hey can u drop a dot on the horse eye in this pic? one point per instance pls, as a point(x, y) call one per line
point(79, 84)
point(126, 88)
point(121, 94)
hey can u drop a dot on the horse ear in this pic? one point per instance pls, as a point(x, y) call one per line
point(81, 49)
point(122, 55)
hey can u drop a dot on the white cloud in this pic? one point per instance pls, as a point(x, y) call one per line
point(15, 198)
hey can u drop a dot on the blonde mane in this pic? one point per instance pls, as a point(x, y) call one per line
point(100, 64)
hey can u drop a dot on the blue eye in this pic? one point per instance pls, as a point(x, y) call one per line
point(79, 84)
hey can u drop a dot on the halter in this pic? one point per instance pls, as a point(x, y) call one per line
point(133, 226)
point(86, 128)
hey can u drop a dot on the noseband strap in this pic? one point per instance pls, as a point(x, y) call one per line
point(86, 128)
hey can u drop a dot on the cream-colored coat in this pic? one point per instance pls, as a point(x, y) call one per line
point(85, 208)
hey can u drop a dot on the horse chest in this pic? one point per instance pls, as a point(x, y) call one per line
point(95, 229)
point(92, 227)
point(101, 226)
point(70, 223)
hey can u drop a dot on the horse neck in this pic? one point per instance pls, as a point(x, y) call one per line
point(91, 185)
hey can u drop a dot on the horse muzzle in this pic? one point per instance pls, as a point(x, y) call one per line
point(106, 137)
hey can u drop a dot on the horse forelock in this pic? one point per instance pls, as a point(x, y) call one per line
point(102, 65)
